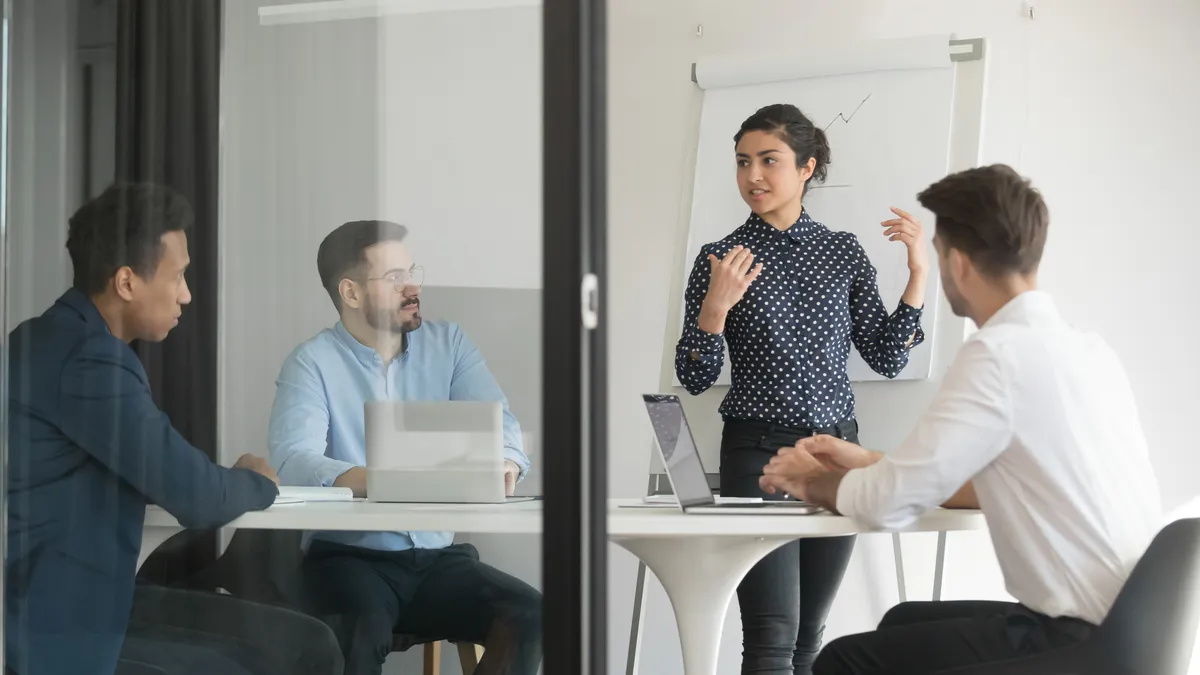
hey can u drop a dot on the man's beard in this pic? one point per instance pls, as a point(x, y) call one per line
point(393, 321)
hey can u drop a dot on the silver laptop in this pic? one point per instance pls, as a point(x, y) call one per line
point(435, 451)
point(681, 459)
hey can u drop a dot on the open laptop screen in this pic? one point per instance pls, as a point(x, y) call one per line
point(679, 454)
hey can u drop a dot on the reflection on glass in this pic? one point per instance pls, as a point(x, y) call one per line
point(238, 289)
point(395, 255)
point(4, 11)
point(3, 147)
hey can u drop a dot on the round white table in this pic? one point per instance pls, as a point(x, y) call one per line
point(699, 558)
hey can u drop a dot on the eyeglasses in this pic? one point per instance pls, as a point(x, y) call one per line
point(402, 279)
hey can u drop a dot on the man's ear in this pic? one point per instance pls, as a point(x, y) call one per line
point(351, 294)
point(123, 282)
point(961, 266)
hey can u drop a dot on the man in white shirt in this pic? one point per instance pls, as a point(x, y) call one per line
point(1034, 419)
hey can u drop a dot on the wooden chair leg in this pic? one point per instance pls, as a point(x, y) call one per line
point(433, 659)
point(469, 656)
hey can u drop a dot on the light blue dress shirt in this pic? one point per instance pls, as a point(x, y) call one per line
point(316, 430)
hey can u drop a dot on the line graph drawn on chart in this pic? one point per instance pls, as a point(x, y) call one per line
point(839, 188)
point(842, 116)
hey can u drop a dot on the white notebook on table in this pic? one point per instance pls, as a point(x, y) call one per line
point(299, 494)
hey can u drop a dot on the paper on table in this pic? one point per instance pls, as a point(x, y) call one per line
point(315, 494)
point(281, 500)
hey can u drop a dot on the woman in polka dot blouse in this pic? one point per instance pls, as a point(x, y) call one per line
point(789, 296)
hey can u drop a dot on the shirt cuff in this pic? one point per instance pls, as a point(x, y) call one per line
point(847, 496)
point(905, 324)
point(704, 343)
point(520, 459)
point(328, 470)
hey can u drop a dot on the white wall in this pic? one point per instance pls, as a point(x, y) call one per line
point(461, 138)
point(299, 109)
point(346, 120)
point(1095, 100)
point(42, 171)
point(51, 42)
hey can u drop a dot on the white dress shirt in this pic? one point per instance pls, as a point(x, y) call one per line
point(1042, 418)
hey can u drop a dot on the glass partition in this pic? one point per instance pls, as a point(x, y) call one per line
point(304, 298)
point(4, 13)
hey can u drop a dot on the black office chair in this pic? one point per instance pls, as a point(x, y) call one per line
point(1151, 628)
point(177, 598)
point(264, 566)
point(260, 638)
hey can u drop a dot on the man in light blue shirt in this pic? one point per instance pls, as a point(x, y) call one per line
point(367, 585)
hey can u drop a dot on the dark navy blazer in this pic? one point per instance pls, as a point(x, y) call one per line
point(87, 450)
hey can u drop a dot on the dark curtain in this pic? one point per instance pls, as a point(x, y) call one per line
point(168, 70)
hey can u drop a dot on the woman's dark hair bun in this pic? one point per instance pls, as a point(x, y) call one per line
point(821, 153)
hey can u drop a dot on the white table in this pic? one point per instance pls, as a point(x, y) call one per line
point(700, 559)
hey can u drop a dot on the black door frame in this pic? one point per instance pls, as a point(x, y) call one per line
point(574, 392)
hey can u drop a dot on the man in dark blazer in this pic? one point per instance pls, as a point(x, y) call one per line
point(87, 446)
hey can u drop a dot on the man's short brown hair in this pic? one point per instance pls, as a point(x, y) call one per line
point(345, 248)
point(993, 215)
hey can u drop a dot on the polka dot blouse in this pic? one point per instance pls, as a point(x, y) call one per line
point(789, 337)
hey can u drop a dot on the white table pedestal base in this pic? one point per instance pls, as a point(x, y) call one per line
point(701, 575)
